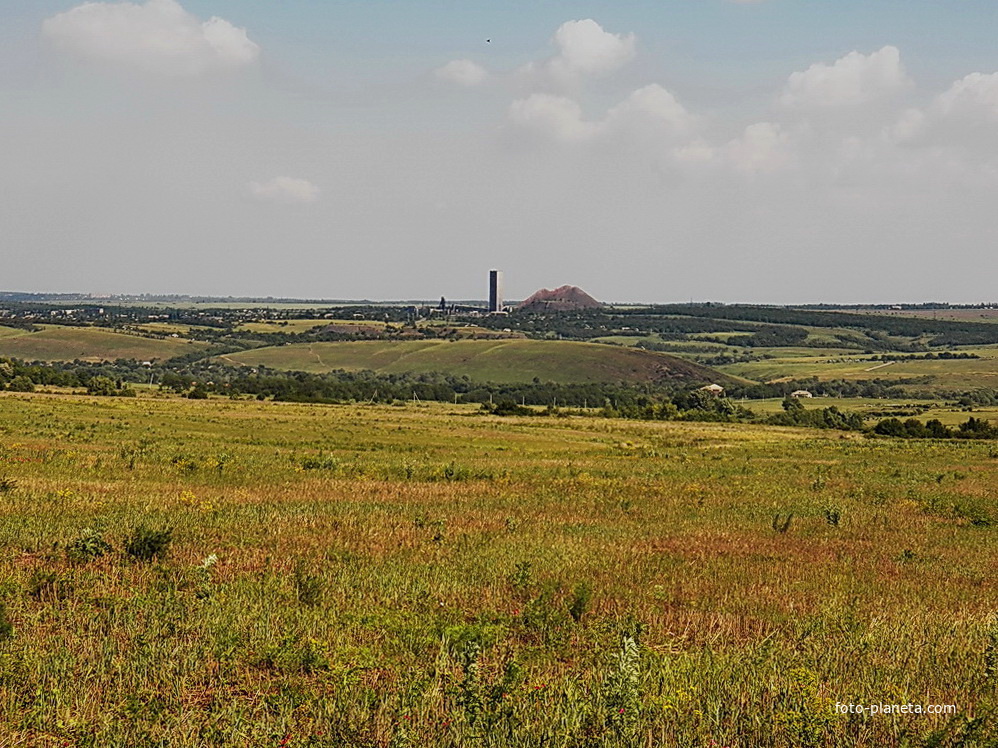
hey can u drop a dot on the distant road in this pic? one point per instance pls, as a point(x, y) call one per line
point(880, 366)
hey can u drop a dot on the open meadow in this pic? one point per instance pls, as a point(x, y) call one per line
point(61, 343)
point(482, 360)
point(233, 573)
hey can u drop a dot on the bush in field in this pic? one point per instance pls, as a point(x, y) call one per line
point(21, 384)
point(145, 544)
point(102, 387)
point(580, 601)
point(87, 547)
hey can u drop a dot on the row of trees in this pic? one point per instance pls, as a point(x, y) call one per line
point(972, 428)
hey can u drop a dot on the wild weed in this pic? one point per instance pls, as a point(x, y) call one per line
point(47, 586)
point(781, 524)
point(621, 685)
point(87, 547)
point(521, 577)
point(308, 586)
point(580, 601)
point(991, 650)
point(6, 627)
point(146, 544)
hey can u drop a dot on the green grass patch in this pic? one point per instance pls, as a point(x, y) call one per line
point(483, 360)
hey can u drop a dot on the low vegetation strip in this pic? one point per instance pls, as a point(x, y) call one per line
point(235, 573)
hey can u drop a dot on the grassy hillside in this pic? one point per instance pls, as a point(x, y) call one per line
point(504, 361)
point(941, 374)
point(374, 576)
point(57, 343)
point(11, 332)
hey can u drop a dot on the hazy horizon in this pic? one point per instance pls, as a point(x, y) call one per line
point(766, 151)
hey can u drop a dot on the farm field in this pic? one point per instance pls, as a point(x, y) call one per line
point(168, 328)
point(59, 343)
point(379, 576)
point(286, 325)
point(939, 373)
point(877, 408)
point(483, 360)
point(954, 315)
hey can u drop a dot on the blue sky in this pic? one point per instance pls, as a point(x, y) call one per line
point(384, 150)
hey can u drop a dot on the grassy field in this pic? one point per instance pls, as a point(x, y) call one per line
point(58, 343)
point(287, 325)
point(940, 373)
point(483, 360)
point(877, 408)
point(427, 576)
point(11, 332)
point(168, 328)
point(954, 315)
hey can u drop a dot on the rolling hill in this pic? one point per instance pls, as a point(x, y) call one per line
point(60, 343)
point(501, 361)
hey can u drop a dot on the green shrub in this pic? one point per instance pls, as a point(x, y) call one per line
point(21, 384)
point(87, 547)
point(580, 601)
point(145, 544)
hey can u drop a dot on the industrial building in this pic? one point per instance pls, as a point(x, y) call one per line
point(495, 291)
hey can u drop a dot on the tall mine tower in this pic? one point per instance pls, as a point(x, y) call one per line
point(495, 290)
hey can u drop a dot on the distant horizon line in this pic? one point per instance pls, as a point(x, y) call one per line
point(11, 296)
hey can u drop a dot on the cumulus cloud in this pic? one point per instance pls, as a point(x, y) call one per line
point(975, 95)
point(462, 72)
point(851, 80)
point(555, 117)
point(158, 37)
point(584, 49)
point(962, 117)
point(651, 108)
point(763, 147)
point(650, 113)
point(285, 191)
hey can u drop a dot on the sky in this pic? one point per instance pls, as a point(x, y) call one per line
point(761, 151)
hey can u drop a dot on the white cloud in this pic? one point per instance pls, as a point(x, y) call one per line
point(763, 147)
point(462, 72)
point(649, 115)
point(285, 191)
point(555, 117)
point(651, 108)
point(974, 96)
point(584, 47)
point(156, 37)
point(850, 81)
